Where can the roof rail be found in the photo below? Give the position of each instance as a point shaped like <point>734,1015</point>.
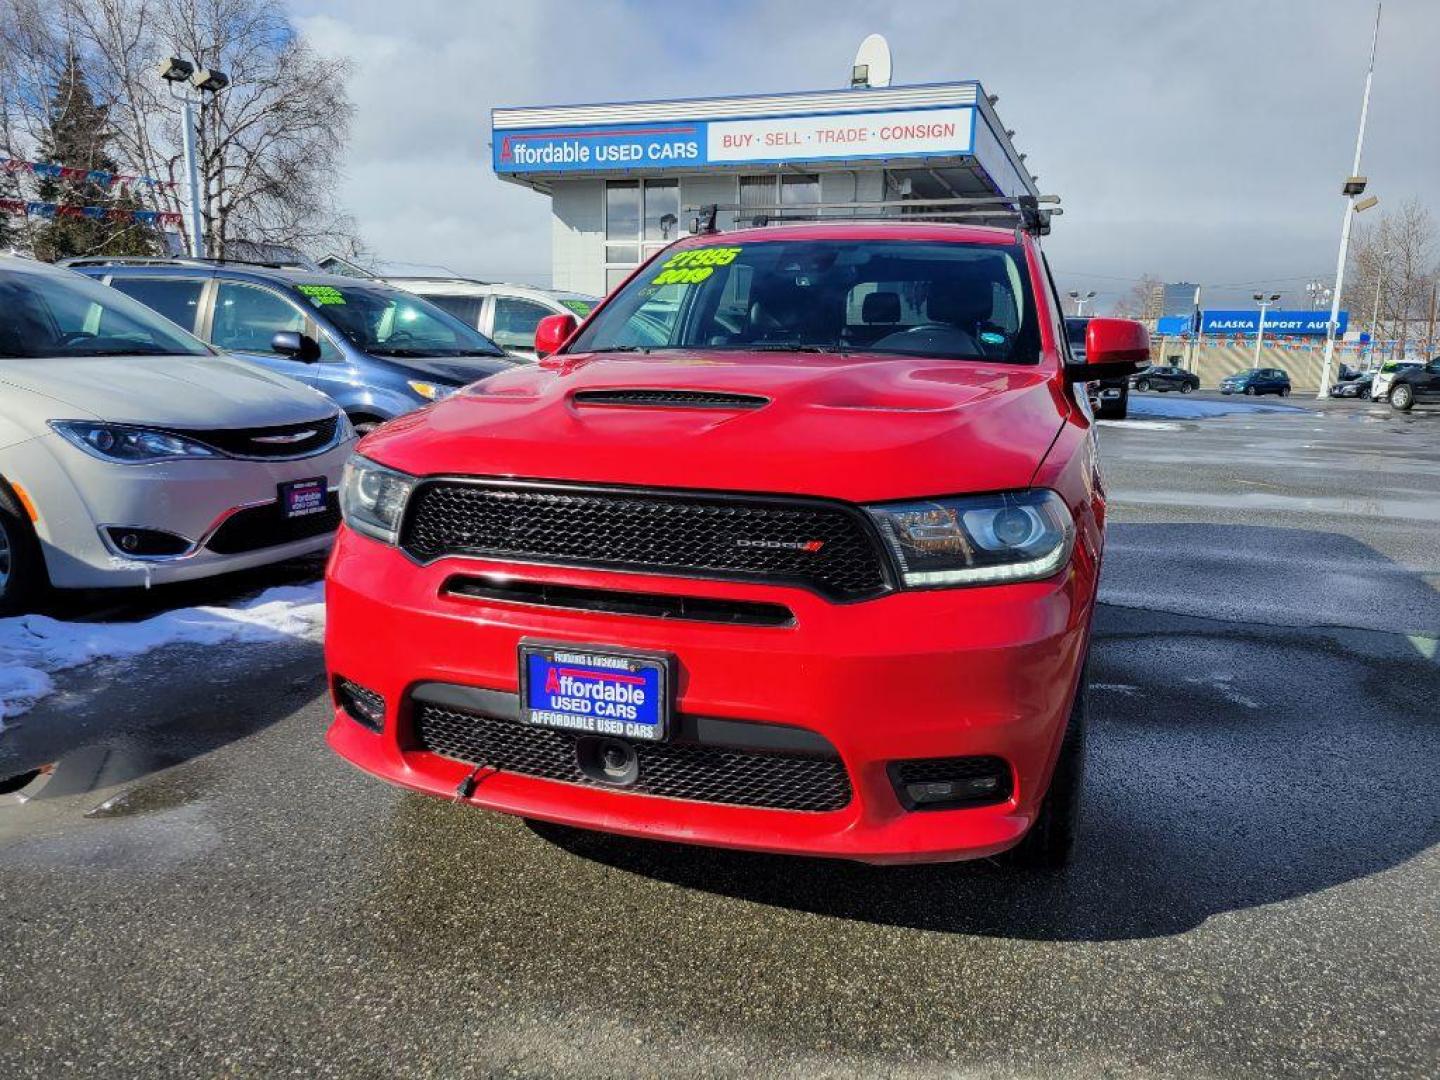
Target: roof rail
<point>1030,213</point>
<point>171,260</point>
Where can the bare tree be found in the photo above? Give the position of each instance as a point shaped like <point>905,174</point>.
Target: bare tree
<point>270,146</point>
<point>1392,273</point>
<point>1143,299</point>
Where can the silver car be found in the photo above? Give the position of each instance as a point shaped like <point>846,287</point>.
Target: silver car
<point>132,453</point>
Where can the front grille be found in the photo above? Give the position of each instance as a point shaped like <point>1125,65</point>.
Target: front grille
<point>674,399</point>
<point>621,602</point>
<point>822,546</point>
<point>284,441</point>
<point>264,526</point>
<point>673,770</point>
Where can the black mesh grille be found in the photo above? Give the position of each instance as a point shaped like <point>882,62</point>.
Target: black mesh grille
<point>285,441</point>
<point>675,399</point>
<point>264,526</point>
<point>672,770</point>
<point>820,546</point>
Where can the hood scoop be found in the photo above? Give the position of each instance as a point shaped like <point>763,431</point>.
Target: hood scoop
<point>645,398</point>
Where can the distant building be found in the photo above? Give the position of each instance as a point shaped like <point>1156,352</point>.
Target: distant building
<point>1176,298</point>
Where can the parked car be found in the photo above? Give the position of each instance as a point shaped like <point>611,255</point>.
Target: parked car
<point>1358,386</point>
<point>131,453</point>
<point>507,314</point>
<point>1380,387</point>
<point>1415,384</point>
<point>375,350</point>
<point>673,601</point>
<point>1109,398</point>
<point>1164,377</point>
<point>1257,381</point>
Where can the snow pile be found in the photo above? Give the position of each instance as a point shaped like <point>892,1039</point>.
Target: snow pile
<point>1172,406</point>
<point>32,647</point>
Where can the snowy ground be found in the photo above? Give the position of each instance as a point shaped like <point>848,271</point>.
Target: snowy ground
<point>34,647</point>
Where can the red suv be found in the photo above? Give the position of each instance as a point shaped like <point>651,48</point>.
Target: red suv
<point>792,546</point>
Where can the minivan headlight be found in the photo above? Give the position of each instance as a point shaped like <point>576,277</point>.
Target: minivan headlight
<point>127,444</point>
<point>978,539</point>
<point>373,498</point>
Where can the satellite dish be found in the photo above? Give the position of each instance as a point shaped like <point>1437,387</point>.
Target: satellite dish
<point>872,62</point>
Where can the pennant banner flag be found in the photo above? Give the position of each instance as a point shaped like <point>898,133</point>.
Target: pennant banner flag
<point>24,208</point>
<point>99,177</point>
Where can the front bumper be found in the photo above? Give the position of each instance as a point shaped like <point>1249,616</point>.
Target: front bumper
<point>946,673</point>
<point>77,496</point>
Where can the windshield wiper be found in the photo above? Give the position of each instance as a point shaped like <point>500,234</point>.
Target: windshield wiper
<point>777,346</point>
<point>623,348</point>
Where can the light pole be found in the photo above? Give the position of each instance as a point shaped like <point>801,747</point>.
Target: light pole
<point>1354,187</point>
<point>1081,300</point>
<point>1264,302</point>
<point>1319,293</point>
<point>205,81</point>
<point>1375,311</point>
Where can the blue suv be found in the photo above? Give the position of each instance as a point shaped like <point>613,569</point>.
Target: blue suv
<point>376,351</point>
<point>1257,381</point>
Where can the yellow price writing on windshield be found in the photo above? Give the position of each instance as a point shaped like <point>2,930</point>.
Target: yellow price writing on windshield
<point>694,265</point>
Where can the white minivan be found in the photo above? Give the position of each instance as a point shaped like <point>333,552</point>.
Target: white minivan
<point>131,452</point>
<point>506,314</point>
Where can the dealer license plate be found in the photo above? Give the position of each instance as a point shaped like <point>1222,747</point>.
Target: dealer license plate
<point>301,498</point>
<point>595,691</point>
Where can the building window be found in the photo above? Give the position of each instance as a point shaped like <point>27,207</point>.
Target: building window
<point>641,217</point>
<point>764,193</point>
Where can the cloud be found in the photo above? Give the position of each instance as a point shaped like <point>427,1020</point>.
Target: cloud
<point>1202,142</point>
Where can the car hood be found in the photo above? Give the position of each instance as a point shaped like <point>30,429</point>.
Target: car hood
<point>456,371</point>
<point>167,391</point>
<point>858,427</point>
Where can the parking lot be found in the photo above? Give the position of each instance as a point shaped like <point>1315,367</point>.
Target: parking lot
<point>201,887</point>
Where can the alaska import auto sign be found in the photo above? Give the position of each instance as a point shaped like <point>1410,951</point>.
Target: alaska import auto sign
<point>1276,322</point>
<point>751,140</point>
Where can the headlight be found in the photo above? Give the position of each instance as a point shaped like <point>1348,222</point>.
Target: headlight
<point>430,391</point>
<point>373,498</point>
<point>978,540</point>
<point>129,445</point>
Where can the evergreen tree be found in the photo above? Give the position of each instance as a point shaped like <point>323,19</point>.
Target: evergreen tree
<point>77,135</point>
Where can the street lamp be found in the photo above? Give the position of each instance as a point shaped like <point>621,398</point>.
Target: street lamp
<point>204,83</point>
<point>1354,187</point>
<point>1264,302</point>
<point>1081,300</point>
<point>1319,293</point>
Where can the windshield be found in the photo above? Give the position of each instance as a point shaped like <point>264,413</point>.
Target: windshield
<point>49,313</point>
<point>388,322</point>
<point>906,297</point>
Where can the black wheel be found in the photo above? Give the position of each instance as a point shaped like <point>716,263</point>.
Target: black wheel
<point>1365,393</point>
<point>1143,384</point>
<point>1051,838</point>
<point>1114,408</point>
<point>364,423</point>
<point>23,579</point>
<point>1284,391</point>
<point>1402,397</point>
<point>1249,391</point>
<point>1187,388</point>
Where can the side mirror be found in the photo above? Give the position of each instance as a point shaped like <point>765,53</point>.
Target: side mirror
<point>300,347</point>
<point>1114,348</point>
<point>551,332</point>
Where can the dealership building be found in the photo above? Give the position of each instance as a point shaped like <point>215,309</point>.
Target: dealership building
<point>625,179</point>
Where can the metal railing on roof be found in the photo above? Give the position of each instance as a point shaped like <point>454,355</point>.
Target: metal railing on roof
<point>173,260</point>
<point>1031,213</point>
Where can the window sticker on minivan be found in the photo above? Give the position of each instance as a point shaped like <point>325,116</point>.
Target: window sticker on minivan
<point>694,266</point>
<point>321,295</point>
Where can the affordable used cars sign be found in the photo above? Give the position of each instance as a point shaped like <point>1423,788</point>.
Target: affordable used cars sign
<point>753,140</point>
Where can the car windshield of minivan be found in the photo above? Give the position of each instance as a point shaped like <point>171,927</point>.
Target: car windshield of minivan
<point>907,298</point>
<point>386,322</point>
<point>50,314</point>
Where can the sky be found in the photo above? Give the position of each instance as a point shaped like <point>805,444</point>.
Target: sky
<point>1196,141</point>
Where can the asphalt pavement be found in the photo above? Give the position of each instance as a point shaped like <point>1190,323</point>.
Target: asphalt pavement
<point>201,888</point>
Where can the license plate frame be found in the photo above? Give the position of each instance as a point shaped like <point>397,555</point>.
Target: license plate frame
<point>302,498</point>
<point>652,672</point>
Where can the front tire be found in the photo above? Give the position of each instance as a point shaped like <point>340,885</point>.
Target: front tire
<point>1249,391</point>
<point>1142,385</point>
<point>23,579</point>
<point>1402,397</point>
<point>1051,839</point>
<point>1284,391</point>
<point>1187,388</point>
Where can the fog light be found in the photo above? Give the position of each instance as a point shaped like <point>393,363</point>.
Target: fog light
<point>950,783</point>
<point>361,704</point>
<point>147,543</point>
